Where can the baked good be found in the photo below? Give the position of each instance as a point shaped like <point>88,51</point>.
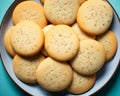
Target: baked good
<point>109,42</point>
<point>29,10</point>
<point>54,75</point>
<point>61,43</point>
<point>27,38</point>
<point>7,42</point>
<point>90,58</point>
<point>25,67</point>
<point>81,83</point>
<point>61,11</point>
<point>82,35</point>
<point>95,16</point>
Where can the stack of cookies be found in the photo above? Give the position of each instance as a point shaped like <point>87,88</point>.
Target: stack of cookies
<point>62,44</point>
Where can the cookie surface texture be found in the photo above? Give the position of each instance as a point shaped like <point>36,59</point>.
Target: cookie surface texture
<point>90,58</point>
<point>61,11</point>
<point>109,42</point>
<point>61,43</point>
<point>29,10</point>
<point>27,38</point>
<point>53,75</point>
<point>25,67</point>
<point>81,83</point>
<point>95,16</point>
<point>82,35</point>
<point>7,42</point>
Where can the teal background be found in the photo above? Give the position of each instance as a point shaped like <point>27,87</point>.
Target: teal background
<point>9,88</point>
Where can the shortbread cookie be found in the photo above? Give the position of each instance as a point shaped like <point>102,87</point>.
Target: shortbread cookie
<point>109,42</point>
<point>54,75</point>
<point>61,11</point>
<point>81,83</point>
<point>45,30</point>
<point>29,10</point>
<point>7,42</point>
<point>25,67</point>
<point>82,35</point>
<point>27,38</point>
<point>95,16</point>
<point>61,43</point>
<point>90,58</point>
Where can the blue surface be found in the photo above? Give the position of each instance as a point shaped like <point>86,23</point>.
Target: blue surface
<point>8,87</point>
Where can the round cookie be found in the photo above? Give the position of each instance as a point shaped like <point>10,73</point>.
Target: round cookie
<point>90,58</point>
<point>81,83</point>
<point>45,30</point>
<point>29,10</point>
<point>7,42</point>
<point>54,75</point>
<point>61,11</point>
<point>95,16</point>
<point>61,43</point>
<point>25,67</point>
<point>27,38</point>
<point>109,42</point>
<point>82,35</point>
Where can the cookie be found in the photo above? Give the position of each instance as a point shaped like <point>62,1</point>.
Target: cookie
<point>27,38</point>
<point>53,75</point>
<point>61,43</point>
<point>25,67</point>
<point>95,16</point>
<point>45,30</point>
<point>90,58</point>
<point>81,83</point>
<point>29,10</point>
<point>82,35</point>
<point>61,11</point>
<point>109,42</point>
<point>7,42</point>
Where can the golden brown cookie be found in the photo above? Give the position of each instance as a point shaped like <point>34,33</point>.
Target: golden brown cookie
<point>25,67</point>
<point>95,16</point>
<point>7,42</point>
<point>81,83</point>
<point>82,35</point>
<point>27,38</point>
<point>90,58</point>
<point>61,11</point>
<point>109,42</point>
<point>54,75</point>
<point>29,10</point>
<point>61,43</point>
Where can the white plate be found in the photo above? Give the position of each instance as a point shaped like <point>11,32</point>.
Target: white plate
<point>103,76</point>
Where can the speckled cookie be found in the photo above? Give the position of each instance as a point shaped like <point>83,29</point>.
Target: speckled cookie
<point>27,38</point>
<point>61,43</point>
<point>54,75</point>
<point>95,16</point>
<point>81,83</point>
<point>45,30</point>
<point>25,67</point>
<point>29,10</point>
<point>109,42</point>
<point>90,58</point>
<point>7,42</point>
<point>82,35</point>
<point>61,11</point>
